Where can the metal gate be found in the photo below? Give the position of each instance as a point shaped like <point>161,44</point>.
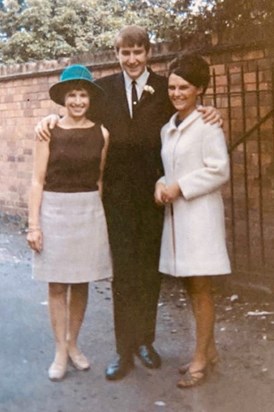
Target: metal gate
<point>249,198</point>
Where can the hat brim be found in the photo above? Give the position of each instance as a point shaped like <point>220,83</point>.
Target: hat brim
<point>58,91</point>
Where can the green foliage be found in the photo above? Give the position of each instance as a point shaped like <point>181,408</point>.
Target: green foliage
<point>240,21</point>
<point>49,29</point>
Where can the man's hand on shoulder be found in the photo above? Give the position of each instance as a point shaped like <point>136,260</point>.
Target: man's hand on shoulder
<point>43,128</point>
<point>210,115</point>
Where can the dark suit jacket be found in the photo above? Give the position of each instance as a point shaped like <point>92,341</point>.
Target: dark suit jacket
<point>133,163</point>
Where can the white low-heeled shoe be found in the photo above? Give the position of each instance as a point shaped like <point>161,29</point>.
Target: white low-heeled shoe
<point>57,371</point>
<point>80,362</point>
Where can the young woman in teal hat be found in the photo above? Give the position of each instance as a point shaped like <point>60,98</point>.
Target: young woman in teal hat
<point>67,228</point>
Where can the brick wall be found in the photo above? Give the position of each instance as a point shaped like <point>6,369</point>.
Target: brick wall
<point>24,101</point>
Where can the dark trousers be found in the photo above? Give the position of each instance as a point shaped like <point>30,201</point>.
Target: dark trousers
<point>135,300</point>
<point>135,241</point>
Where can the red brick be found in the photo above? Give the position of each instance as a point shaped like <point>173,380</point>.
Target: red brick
<point>24,101</point>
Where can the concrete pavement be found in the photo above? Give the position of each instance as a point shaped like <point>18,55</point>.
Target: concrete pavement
<point>242,382</point>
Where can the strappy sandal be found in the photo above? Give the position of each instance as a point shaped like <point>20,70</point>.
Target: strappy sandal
<point>184,368</point>
<point>192,379</point>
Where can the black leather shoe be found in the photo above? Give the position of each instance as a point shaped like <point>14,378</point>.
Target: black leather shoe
<point>148,356</point>
<point>119,368</point>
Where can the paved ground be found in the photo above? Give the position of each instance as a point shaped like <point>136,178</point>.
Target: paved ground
<point>242,382</point>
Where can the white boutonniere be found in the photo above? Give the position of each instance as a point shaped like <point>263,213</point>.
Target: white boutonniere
<point>149,89</point>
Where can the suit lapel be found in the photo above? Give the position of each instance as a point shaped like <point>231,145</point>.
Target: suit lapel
<point>120,91</point>
<point>146,95</point>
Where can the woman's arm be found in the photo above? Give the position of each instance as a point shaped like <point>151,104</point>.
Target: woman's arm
<point>41,155</point>
<point>215,170</point>
<point>103,159</point>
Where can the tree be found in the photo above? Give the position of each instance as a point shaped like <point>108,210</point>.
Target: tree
<point>241,21</point>
<point>45,29</point>
<point>49,29</point>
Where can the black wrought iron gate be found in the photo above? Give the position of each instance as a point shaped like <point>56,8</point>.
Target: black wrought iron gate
<point>248,111</point>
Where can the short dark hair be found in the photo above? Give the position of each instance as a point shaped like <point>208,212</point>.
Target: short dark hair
<point>193,68</point>
<point>75,85</point>
<point>130,36</point>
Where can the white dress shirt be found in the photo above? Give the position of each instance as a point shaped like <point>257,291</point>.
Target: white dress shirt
<point>140,84</point>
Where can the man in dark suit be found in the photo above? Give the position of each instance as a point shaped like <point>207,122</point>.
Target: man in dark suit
<point>135,108</point>
<point>134,222</point>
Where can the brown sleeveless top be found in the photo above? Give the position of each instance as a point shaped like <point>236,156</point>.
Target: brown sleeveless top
<point>74,160</point>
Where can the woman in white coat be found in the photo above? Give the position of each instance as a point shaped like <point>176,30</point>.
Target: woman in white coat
<point>196,165</point>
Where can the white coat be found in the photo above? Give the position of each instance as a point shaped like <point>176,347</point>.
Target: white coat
<point>195,156</point>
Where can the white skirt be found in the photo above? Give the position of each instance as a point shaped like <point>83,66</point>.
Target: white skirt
<point>75,239</point>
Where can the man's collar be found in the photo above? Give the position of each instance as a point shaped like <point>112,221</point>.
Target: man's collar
<point>141,80</point>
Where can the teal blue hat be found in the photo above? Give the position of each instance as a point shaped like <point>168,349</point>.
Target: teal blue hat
<point>78,75</point>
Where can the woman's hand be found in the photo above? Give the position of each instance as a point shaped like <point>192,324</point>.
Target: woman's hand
<point>210,115</point>
<point>172,193</point>
<point>35,239</point>
<point>166,194</point>
<point>159,193</point>
<point>43,128</point>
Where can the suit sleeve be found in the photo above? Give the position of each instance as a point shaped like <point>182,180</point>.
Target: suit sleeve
<point>215,171</point>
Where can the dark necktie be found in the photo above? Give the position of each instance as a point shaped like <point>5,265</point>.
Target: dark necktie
<point>134,96</point>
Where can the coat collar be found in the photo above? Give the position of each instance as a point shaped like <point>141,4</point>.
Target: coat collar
<point>171,126</point>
